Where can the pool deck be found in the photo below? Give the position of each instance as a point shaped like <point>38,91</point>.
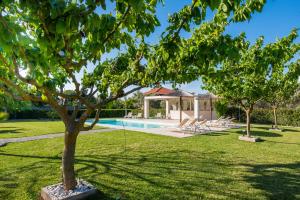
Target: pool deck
<point>169,129</point>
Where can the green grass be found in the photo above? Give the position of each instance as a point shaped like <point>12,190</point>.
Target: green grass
<point>146,166</point>
<point>16,129</point>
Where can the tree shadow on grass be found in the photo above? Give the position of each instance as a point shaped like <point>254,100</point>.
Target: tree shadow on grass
<point>279,181</point>
<point>297,143</point>
<point>260,133</point>
<point>10,131</point>
<point>160,175</point>
<point>290,130</point>
<point>148,175</point>
<point>281,129</point>
<point>217,133</point>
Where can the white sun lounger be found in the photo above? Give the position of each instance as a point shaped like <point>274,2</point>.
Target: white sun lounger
<point>129,115</point>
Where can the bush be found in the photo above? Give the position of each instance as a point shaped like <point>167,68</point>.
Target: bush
<point>4,116</point>
<point>52,115</point>
<point>109,113</point>
<point>30,114</point>
<point>49,114</point>
<point>286,117</point>
<point>221,108</point>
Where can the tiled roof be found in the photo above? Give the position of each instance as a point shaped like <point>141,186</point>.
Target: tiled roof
<point>167,92</point>
<point>159,91</point>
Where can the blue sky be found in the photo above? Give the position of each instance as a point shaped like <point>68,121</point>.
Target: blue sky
<point>276,20</point>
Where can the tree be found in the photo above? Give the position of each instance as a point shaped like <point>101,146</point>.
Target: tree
<point>295,101</point>
<point>9,104</point>
<point>246,80</point>
<point>136,101</point>
<point>45,45</point>
<point>283,84</point>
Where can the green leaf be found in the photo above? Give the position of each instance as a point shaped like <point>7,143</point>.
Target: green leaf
<point>44,98</point>
<point>60,27</point>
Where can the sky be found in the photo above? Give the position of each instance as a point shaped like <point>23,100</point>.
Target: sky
<point>276,20</point>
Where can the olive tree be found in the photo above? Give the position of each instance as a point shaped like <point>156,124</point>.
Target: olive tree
<point>46,46</point>
<point>247,79</point>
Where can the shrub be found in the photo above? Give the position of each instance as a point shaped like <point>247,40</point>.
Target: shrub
<point>4,116</point>
<point>286,117</point>
<point>52,115</point>
<point>49,114</point>
<point>29,114</point>
<point>109,113</point>
<point>221,108</point>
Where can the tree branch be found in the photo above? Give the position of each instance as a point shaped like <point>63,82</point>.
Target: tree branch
<point>24,96</point>
<point>94,122</point>
<point>117,26</point>
<point>183,22</point>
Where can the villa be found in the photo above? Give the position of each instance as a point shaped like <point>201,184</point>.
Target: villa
<point>181,104</point>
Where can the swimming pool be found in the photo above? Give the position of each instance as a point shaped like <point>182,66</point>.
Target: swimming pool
<point>127,124</point>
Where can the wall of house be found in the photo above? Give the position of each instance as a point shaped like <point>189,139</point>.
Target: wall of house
<point>207,115</point>
<point>207,111</point>
<point>175,114</point>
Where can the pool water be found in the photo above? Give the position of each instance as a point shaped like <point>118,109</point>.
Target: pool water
<point>119,122</point>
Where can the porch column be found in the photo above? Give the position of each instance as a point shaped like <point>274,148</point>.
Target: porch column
<point>180,108</point>
<point>146,108</point>
<point>210,103</point>
<point>196,108</point>
<point>167,109</point>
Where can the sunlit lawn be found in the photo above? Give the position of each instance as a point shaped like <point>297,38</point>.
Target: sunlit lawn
<point>145,166</point>
<point>14,129</point>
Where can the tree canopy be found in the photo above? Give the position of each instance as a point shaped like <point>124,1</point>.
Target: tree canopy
<point>253,75</point>
<point>44,45</point>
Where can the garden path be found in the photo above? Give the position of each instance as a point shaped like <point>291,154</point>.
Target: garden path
<point>3,142</point>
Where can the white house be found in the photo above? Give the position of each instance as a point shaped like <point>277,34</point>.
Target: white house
<point>181,104</point>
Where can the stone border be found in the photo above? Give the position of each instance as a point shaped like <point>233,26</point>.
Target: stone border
<point>81,196</point>
<point>4,142</point>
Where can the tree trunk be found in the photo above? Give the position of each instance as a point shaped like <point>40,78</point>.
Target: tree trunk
<point>68,159</point>
<point>275,117</point>
<point>248,112</point>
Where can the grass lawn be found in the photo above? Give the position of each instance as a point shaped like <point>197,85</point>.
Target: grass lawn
<point>146,166</point>
<point>15,129</point>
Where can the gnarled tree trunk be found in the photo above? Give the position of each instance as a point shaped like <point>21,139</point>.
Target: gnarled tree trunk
<point>68,159</point>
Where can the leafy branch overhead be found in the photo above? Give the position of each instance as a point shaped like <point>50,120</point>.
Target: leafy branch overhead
<point>100,49</point>
<point>46,44</point>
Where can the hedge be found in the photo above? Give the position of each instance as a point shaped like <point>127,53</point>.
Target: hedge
<point>286,117</point>
<point>46,114</point>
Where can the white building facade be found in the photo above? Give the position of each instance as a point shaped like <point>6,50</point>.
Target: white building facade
<point>180,104</point>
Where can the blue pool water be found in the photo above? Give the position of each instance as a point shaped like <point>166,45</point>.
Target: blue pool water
<point>118,122</point>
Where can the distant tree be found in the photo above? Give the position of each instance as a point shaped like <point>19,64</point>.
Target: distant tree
<point>137,100</point>
<point>295,101</point>
<point>9,104</point>
<point>283,83</point>
<point>246,80</point>
<point>117,104</point>
<point>45,44</point>
<point>221,107</point>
